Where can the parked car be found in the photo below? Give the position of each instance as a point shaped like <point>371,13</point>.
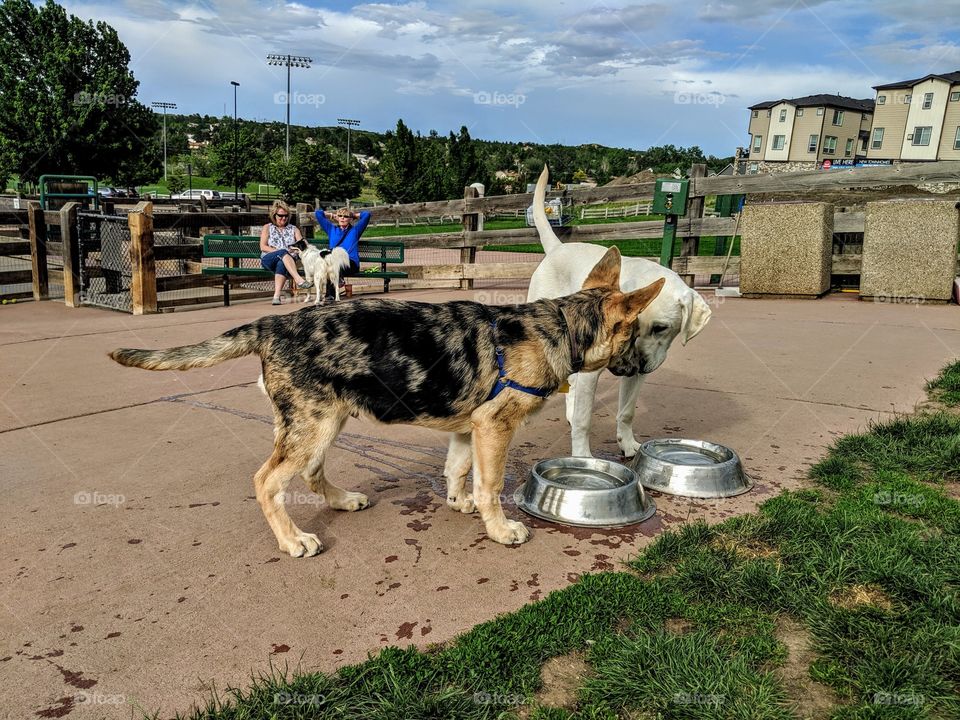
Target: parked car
<point>233,196</point>
<point>196,194</point>
<point>107,192</point>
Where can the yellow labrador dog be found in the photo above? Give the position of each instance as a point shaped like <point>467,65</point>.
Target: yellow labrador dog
<point>678,311</point>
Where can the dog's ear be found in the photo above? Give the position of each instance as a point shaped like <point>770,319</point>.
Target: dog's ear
<point>606,273</point>
<point>633,303</point>
<point>694,314</point>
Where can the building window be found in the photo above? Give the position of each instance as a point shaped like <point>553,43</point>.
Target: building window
<point>838,117</point>
<point>812,143</point>
<point>954,96</point>
<point>783,115</point>
<point>778,141</point>
<point>756,113</point>
<point>769,113</point>
<point>881,99</point>
<point>819,112</point>
<point>753,168</point>
<point>863,144</point>
<point>927,101</point>
<point>921,135</point>
<point>907,99</point>
<point>877,139</point>
<point>848,150</point>
<point>829,145</point>
<point>956,139</point>
<point>757,143</point>
<point>799,112</point>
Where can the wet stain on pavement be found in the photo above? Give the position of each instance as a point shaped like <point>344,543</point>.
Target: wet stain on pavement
<point>63,708</point>
<point>405,631</point>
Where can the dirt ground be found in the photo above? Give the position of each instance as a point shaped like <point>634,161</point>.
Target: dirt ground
<point>138,571</point>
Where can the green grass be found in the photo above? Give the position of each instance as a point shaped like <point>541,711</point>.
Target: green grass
<point>866,562</point>
<point>946,388</point>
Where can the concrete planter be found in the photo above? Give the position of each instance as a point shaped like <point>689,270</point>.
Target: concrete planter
<point>910,251</point>
<point>786,249</point>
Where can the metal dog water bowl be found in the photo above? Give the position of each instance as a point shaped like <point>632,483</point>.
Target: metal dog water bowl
<point>691,468</point>
<point>587,492</point>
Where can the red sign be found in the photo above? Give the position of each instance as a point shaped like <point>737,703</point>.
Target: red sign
<point>826,164</point>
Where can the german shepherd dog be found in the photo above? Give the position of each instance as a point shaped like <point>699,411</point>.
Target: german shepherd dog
<point>438,365</point>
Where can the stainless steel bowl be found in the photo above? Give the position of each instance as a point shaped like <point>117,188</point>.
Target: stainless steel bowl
<point>587,492</point>
<point>691,468</point>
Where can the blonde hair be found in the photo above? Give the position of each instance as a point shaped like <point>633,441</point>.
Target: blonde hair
<point>279,205</point>
<point>344,212</point>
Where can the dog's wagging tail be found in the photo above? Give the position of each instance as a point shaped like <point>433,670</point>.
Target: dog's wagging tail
<point>411,362</point>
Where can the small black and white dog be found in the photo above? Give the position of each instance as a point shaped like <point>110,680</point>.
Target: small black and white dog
<point>323,267</point>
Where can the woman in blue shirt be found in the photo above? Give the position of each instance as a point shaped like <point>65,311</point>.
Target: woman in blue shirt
<point>344,234</point>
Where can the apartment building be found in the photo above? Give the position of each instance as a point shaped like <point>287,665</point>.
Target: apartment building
<point>801,133</point>
<point>917,119</point>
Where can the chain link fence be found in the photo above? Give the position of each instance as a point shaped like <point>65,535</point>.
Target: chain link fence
<point>105,267</point>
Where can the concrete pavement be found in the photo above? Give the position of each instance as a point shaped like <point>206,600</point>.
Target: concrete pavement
<point>138,569</point>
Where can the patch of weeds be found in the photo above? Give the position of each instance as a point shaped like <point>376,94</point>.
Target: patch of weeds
<point>946,387</point>
<point>691,676</point>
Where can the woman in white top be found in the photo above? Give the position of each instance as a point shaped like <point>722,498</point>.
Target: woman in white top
<point>277,251</point>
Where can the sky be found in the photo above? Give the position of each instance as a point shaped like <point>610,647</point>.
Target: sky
<point>623,74</point>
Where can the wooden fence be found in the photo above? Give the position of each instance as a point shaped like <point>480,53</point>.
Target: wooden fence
<point>31,228</point>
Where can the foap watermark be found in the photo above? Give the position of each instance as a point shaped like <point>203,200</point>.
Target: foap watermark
<point>97,698</point>
<point>685,97</point>
<point>290,698</point>
<point>900,699</point>
<point>94,497</point>
<point>300,98</point>
<point>499,297</point>
<point>498,98</point>
<point>98,98</point>
<point>294,497</point>
<point>695,698</point>
<point>506,699</point>
<point>885,497</point>
<point>899,300</point>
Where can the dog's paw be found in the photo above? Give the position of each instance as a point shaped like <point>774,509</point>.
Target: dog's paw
<point>350,502</point>
<point>510,532</point>
<point>302,545</point>
<point>463,504</point>
<point>628,445</point>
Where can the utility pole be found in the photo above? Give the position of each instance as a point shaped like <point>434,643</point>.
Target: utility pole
<point>290,61</point>
<point>348,123</point>
<point>165,106</point>
<point>236,144</point>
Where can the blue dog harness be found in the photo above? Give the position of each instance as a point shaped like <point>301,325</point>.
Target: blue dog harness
<point>503,382</point>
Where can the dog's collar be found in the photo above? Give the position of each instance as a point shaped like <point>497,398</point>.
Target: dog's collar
<point>576,358</point>
<point>503,382</point>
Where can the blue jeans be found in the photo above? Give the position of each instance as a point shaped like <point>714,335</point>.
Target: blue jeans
<point>273,261</point>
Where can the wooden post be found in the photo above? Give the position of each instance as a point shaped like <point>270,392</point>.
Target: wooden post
<point>143,284</point>
<point>306,230</point>
<point>38,251</point>
<point>71,254</point>
<point>471,221</point>
<point>690,246</point>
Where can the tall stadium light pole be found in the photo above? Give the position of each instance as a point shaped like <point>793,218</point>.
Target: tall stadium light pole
<point>348,123</point>
<point>236,144</point>
<point>290,61</point>
<point>165,106</point>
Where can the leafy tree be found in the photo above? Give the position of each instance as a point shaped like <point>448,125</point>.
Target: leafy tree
<point>67,97</point>
<point>315,171</point>
<point>463,164</point>
<point>400,166</point>
<point>176,184</point>
<point>249,158</point>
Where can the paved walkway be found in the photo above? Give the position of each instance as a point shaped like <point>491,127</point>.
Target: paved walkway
<point>137,567</point>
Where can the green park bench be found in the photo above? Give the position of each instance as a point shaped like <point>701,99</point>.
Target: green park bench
<point>233,249</point>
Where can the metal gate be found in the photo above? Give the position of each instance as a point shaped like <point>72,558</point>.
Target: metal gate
<point>105,267</point>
